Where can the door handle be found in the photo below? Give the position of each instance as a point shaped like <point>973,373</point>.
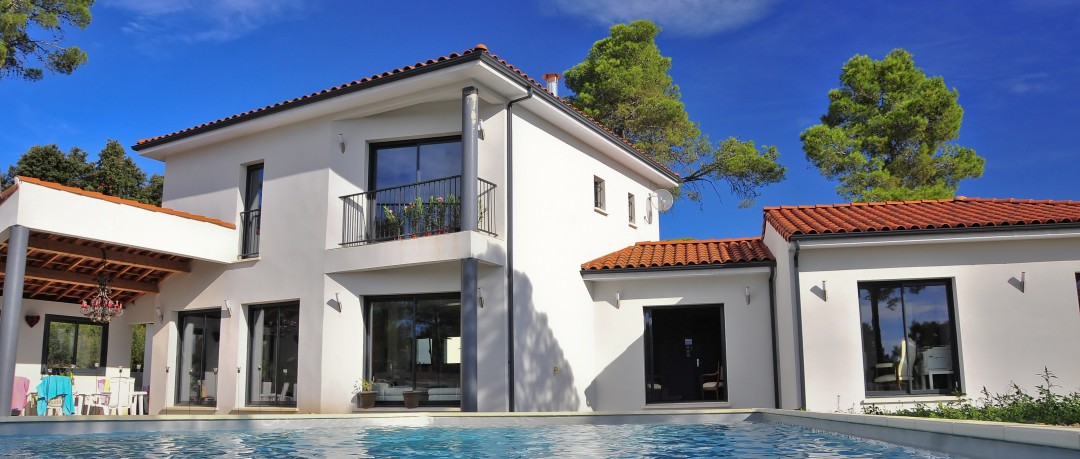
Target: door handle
<point>698,363</point>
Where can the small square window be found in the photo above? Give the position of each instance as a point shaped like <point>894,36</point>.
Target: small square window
<point>630,205</point>
<point>598,193</point>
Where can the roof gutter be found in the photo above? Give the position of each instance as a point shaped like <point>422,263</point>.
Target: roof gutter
<point>704,269</point>
<point>775,334</point>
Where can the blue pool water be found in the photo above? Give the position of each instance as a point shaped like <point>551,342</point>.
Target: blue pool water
<point>740,439</point>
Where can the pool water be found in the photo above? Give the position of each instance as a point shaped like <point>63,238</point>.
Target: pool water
<point>739,439</point>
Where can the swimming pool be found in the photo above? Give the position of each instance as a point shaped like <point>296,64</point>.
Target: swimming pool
<point>728,439</point>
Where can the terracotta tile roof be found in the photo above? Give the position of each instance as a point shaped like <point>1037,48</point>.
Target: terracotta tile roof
<point>881,217</point>
<point>375,79</point>
<point>114,199</point>
<point>683,253</point>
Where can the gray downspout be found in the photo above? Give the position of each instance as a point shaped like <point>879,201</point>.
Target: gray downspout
<point>775,345</point>
<point>510,376</point>
<point>14,274</point>
<point>470,131</point>
<point>800,363</point>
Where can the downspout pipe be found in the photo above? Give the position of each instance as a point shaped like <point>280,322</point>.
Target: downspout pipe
<point>775,345</point>
<point>800,377</point>
<point>510,351</point>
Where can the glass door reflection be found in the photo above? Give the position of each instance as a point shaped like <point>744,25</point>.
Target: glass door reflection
<point>200,340</point>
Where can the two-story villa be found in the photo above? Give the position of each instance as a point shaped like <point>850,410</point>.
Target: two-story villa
<point>453,229</point>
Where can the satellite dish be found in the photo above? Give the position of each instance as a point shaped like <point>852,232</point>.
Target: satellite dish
<point>661,199</point>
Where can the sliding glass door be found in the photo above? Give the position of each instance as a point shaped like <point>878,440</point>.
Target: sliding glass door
<point>273,353</point>
<point>415,345</point>
<point>200,340</point>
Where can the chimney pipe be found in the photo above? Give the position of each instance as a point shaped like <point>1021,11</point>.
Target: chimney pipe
<point>552,80</point>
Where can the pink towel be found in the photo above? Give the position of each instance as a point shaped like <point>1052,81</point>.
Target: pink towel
<point>18,393</point>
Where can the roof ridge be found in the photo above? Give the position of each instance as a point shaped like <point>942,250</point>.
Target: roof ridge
<point>122,201</point>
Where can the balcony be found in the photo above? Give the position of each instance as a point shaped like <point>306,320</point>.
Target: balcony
<point>411,211</point>
<point>250,222</point>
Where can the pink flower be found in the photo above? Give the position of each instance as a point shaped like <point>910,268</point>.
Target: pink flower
<point>440,199</point>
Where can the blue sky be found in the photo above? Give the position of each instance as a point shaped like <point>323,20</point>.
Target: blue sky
<point>754,70</point>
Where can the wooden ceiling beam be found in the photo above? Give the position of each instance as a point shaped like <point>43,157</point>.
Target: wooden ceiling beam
<point>88,280</point>
<point>113,255</point>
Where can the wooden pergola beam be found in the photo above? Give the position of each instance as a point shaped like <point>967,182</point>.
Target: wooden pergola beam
<point>114,256</point>
<point>88,280</point>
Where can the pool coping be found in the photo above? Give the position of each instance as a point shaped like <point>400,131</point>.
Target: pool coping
<point>967,438</point>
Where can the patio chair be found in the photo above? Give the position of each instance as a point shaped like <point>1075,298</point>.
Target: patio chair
<point>898,372</point>
<point>118,398</point>
<point>55,406</point>
<point>712,382</point>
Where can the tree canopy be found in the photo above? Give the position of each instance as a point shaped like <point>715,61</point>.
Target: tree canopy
<point>113,174</point>
<point>887,133</point>
<point>624,84</point>
<point>22,55</point>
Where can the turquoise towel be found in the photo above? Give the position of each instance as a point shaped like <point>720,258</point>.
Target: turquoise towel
<point>51,386</point>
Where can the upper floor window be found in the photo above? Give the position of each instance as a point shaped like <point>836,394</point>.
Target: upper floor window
<point>630,208</point>
<point>1078,286</point>
<point>908,337</point>
<point>74,343</point>
<point>251,217</point>
<point>598,193</point>
<point>403,163</point>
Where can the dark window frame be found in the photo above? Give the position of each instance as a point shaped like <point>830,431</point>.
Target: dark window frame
<point>251,359</point>
<point>953,339</point>
<point>77,321</point>
<point>632,208</point>
<point>180,321</point>
<point>251,217</point>
<point>374,147</point>
<point>368,369</point>
<point>599,192</point>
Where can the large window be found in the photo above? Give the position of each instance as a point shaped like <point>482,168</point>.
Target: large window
<point>74,344</point>
<point>909,338</point>
<point>404,163</point>
<point>416,346</point>
<point>200,339</point>
<point>273,353</point>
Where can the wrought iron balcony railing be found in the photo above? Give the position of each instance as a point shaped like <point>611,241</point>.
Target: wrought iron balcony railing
<point>249,245</point>
<point>414,210</point>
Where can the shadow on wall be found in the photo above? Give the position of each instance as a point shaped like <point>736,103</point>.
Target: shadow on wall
<point>622,381</point>
<point>544,379</point>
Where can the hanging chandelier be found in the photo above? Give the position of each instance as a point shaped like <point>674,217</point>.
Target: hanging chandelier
<point>100,307</point>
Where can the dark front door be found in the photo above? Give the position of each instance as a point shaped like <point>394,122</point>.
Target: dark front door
<point>200,339</point>
<point>683,344</point>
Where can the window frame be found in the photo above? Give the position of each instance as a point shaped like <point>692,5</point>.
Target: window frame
<point>77,321</point>
<point>373,164</point>
<point>957,382</point>
<point>632,209</point>
<point>599,192</point>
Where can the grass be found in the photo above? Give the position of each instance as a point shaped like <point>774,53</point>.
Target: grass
<point>1044,407</point>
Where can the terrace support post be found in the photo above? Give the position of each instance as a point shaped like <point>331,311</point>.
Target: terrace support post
<point>14,274</point>
<point>470,139</point>
<point>469,309</point>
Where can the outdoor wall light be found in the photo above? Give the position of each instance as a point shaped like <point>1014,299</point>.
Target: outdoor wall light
<point>227,307</point>
<point>748,295</point>
<point>337,297</point>
<point>480,297</point>
<point>1023,282</point>
<point>341,142</point>
<point>160,315</point>
<point>618,300</point>
<point>824,292</point>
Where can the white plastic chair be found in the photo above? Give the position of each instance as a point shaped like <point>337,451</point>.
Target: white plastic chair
<point>119,397</point>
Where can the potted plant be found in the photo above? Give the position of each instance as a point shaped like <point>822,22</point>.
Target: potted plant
<point>365,396</point>
<point>414,215</point>
<point>411,398</point>
<point>391,224</point>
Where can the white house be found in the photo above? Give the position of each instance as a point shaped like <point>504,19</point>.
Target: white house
<point>453,228</point>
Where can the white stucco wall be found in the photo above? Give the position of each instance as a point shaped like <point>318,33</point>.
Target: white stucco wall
<point>618,332</point>
<point>556,229</point>
<point>1003,335</point>
<point>788,342</point>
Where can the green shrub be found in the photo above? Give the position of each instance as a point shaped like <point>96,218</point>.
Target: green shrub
<point>1045,407</point>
